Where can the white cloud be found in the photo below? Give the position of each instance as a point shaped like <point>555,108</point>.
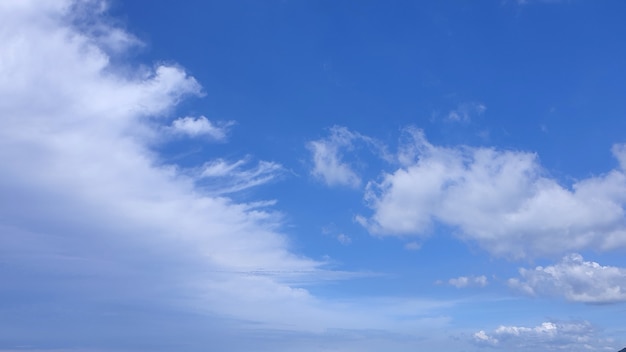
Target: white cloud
<point>619,151</point>
<point>501,199</point>
<point>327,158</point>
<point>80,184</point>
<point>100,28</point>
<point>468,281</point>
<point>464,112</point>
<point>201,126</point>
<point>96,216</point>
<point>344,239</point>
<point>576,280</point>
<point>548,336</point>
<point>482,338</point>
<point>329,154</point>
<point>233,178</point>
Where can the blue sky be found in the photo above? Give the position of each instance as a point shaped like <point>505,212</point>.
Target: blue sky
<point>312,175</point>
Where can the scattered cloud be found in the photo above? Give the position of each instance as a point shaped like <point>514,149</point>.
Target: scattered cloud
<point>328,154</point>
<point>465,112</point>
<point>468,281</point>
<point>93,217</point>
<point>332,231</point>
<point>574,279</point>
<point>482,338</point>
<point>501,199</point>
<point>344,239</point>
<point>328,164</point>
<point>551,335</point>
<point>201,126</point>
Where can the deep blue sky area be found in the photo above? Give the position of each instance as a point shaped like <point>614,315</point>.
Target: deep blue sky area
<point>303,66</point>
<point>279,175</point>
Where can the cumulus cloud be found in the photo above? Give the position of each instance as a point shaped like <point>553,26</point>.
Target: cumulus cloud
<point>574,279</point>
<point>468,281</point>
<point>501,199</point>
<point>201,126</point>
<point>548,336</point>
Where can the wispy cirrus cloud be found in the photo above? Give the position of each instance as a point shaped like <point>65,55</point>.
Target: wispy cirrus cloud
<point>234,176</point>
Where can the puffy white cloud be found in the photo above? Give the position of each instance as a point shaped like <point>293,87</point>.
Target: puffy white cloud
<point>574,279</point>
<point>201,126</point>
<point>548,336</point>
<point>501,199</point>
<point>328,165</point>
<point>469,281</point>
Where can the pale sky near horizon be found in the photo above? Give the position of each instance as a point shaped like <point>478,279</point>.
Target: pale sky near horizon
<point>282,175</point>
